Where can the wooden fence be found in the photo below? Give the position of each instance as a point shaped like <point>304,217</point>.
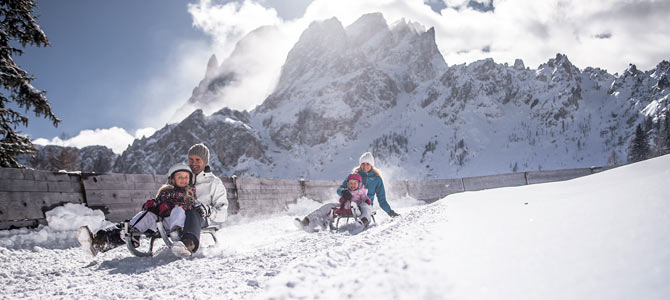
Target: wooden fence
<point>25,195</point>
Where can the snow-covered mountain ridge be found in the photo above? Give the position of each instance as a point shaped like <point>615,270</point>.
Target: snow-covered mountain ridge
<point>387,89</point>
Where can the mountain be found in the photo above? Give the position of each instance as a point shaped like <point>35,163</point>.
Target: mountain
<point>98,159</point>
<point>385,88</point>
<point>227,133</point>
<point>234,83</point>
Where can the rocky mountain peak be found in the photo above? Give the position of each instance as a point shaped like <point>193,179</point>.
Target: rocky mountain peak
<point>662,74</point>
<point>366,27</point>
<point>327,35</point>
<point>518,64</point>
<point>212,66</point>
<point>557,69</point>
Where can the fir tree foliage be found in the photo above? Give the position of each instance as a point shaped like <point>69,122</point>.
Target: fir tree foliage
<point>18,26</point>
<point>639,149</point>
<point>663,137</point>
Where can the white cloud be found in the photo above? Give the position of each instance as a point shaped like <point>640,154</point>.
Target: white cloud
<point>114,138</point>
<point>167,91</point>
<point>531,30</point>
<point>144,132</point>
<point>228,23</point>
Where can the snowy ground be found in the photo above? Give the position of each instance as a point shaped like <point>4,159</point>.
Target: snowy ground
<point>605,236</point>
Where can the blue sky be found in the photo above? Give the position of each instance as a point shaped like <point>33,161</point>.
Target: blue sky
<point>103,54</point>
<point>116,67</point>
<point>100,55</point>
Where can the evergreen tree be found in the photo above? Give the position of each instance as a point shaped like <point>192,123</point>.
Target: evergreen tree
<point>639,147</point>
<point>18,26</point>
<point>612,160</point>
<point>663,137</point>
<point>65,158</point>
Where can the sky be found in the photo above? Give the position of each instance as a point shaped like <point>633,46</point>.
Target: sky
<point>118,70</point>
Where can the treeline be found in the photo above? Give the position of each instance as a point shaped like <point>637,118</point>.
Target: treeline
<point>651,139</point>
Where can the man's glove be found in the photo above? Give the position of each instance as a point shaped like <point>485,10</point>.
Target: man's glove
<point>203,210</point>
<point>393,214</point>
<point>151,203</point>
<point>346,194</point>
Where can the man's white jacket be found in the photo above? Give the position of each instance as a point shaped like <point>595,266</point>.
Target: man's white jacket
<point>209,190</point>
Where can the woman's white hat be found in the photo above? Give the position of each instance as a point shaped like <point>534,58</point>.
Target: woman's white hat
<point>367,158</point>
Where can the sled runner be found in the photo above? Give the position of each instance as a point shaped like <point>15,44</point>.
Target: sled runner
<point>339,214</point>
<point>133,238</point>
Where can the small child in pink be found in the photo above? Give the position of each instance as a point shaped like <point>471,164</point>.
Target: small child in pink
<point>358,194</point>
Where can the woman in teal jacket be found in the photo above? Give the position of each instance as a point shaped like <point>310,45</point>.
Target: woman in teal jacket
<point>372,180</point>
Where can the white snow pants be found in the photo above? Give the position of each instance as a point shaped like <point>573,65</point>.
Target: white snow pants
<point>176,218</point>
<point>366,210</point>
<point>321,216</point>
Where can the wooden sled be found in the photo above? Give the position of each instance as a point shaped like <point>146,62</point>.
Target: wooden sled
<point>132,238</point>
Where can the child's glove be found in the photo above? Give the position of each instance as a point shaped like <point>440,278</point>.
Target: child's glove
<point>346,194</point>
<point>393,214</point>
<point>151,203</point>
<point>164,210</point>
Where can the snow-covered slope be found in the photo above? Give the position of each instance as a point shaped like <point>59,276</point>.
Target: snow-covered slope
<point>603,236</point>
<point>385,88</point>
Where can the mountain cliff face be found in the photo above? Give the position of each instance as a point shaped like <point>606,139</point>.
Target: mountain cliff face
<point>385,88</point>
<point>227,133</point>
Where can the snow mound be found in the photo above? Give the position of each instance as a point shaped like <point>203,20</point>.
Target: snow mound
<point>63,221</point>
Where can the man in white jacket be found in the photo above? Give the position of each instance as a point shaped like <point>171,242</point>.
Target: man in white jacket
<point>210,191</point>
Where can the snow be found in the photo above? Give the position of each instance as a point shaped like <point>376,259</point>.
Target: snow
<point>62,221</point>
<point>603,236</point>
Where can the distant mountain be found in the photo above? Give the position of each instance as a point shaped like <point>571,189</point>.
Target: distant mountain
<point>233,81</point>
<point>98,159</point>
<point>227,133</point>
<point>387,89</point>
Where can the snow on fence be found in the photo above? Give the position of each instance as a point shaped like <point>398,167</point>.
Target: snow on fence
<point>25,195</point>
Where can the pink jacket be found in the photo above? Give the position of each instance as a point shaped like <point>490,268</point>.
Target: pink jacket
<point>359,196</point>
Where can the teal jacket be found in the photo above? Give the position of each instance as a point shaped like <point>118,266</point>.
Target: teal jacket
<point>375,186</point>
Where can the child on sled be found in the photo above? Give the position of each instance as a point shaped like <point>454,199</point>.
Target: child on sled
<point>171,203</point>
<point>353,201</point>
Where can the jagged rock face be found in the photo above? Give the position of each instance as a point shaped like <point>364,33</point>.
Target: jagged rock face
<point>231,141</point>
<point>386,89</point>
<point>335,77</point>
<point>97,159</point>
